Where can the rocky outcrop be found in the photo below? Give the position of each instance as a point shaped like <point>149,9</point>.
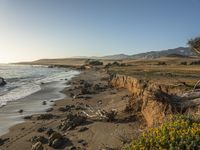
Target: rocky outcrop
<point>2,81</point>
<point>155,104</point>
<point>72,121</point>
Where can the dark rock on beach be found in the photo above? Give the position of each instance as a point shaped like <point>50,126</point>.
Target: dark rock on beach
<point>37,146</point>
<point>2,81</point>
<point>56,140</point>
<point>36,139</point>
<point>45,117</point>
<point>72,121</point>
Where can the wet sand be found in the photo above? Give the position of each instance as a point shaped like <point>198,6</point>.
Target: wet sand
<point>32,104</point>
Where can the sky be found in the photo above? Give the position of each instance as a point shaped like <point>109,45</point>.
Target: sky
<point>35,29</point>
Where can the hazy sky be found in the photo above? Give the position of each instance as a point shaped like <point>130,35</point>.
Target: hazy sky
<point>33,29</point>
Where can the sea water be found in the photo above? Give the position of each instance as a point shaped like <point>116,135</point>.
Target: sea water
<point>24,80</point>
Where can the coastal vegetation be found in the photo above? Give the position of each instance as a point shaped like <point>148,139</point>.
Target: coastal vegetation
<point>177,133</point>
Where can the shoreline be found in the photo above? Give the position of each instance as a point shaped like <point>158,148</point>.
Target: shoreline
<point>35,103</point>
<point>96,131</point>
<point>31,105</point>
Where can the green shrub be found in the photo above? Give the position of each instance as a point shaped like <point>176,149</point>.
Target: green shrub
<point>95,63</point>
<point>183,63</point>
<point>161,63</point>
<point>178,133</point>
<point>195,62</point>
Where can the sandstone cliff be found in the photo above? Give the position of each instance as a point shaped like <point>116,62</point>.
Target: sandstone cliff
<point>156,101</point>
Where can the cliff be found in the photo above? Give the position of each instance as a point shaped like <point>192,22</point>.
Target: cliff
<point>156,101</point>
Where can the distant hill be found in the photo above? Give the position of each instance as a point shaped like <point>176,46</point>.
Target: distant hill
<point>118,56</point>
<point>176,52</point>
<point>180,51</point>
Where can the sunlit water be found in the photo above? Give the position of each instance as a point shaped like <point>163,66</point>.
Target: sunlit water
<point>24,80</point>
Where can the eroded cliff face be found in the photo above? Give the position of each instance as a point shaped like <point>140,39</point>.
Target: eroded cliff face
<point>155,105</point>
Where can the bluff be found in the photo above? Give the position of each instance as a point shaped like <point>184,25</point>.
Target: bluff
<point>156,101</point>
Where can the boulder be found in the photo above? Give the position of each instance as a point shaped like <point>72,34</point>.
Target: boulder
<point>28,117</point>
<point>42,129</point>
<point>2,81</point>
<point>44,103</point>
<point>72,121</point>
<point>45,117</point>
<point>49,110</point>
<point>56,140</point>
<point>54,136</point>
<point>21,111</point>
<point>58,143</point>
<point>63,109</point>
<point>49,131</point>
<point>37,146</point>
<point>36,139</point>
<point>2,141</point>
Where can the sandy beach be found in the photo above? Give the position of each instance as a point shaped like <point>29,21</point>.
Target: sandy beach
<point>31,104</point>
<point>95,133</point>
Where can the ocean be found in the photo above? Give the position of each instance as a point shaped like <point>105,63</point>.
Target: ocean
<point>24,80</point>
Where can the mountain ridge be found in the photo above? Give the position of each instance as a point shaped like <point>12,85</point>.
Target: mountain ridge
<point>179,51</point>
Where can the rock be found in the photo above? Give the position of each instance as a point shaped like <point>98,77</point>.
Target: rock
<point>82,81</point>
<point>67,107</point>
<point>72,121</point>
<point>2,81</point>
<point>36,139</point>
<point>21,111</point>
<point>110,115</point>
<point>42,129</point>
<point>57,143</point>
<point>87,84</point>
<point>49,110</point>
<point>45,117</point>
<point>84,143</point>
<point>53,136</point>
<point>56,140</point>
<point>84,97</point>
<point>37,146</point>
<point>44,103</point>
<point>78,107</point>
<point>62,109</point>
<point>86,88</point>
<point>49,131</point>
<point>28,117</point>
<point>80,141</point>
<point>85,91</point>
<point>51,66</point>
<point>2,141</point>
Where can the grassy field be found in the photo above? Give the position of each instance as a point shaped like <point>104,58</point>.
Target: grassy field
<point>163,71</point>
